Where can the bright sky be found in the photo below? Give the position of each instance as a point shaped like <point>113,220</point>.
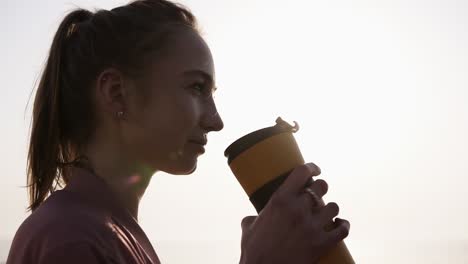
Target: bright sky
<point>379,89</point>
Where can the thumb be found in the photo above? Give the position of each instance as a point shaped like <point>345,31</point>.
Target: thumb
<point>247,222</point>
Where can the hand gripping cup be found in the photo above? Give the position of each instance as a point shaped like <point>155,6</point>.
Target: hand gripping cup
<point>262,160</point>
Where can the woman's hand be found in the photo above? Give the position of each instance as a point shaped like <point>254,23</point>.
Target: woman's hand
<point>291,227</point>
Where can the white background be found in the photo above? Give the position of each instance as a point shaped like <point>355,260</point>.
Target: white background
<point>379,89</point>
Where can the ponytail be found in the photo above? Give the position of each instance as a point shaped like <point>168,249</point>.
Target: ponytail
<point>85,44</point>
<point>47,147</point>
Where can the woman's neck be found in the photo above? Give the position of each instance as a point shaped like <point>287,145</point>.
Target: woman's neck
<point>127,179</point>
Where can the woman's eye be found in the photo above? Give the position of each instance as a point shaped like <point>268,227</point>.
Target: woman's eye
<point>199,87</point>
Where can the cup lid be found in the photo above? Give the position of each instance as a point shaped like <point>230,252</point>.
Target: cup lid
<point>247,141</point>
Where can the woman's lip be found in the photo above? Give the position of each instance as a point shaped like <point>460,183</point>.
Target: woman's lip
<point>198,142</point>
<point>200,147</point>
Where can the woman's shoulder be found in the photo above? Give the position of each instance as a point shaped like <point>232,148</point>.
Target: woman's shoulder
<point>65,213</point>
<point>63,219</point>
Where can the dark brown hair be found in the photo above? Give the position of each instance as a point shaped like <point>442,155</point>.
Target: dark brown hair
<point>84,45</point>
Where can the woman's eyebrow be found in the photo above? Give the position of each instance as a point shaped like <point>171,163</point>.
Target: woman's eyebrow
<point>206,76</point>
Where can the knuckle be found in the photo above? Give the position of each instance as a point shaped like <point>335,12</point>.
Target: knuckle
<point>313,169</point>
<point>246,221</point>
<point>302,170</point>
<point>307,169</point>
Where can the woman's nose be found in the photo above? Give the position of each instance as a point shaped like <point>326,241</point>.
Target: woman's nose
<point>212,121</point>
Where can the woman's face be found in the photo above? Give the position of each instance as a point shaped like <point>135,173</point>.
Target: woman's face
<point>168,130</point>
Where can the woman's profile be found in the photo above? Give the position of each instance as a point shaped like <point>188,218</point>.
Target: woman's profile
<point>126,93</point>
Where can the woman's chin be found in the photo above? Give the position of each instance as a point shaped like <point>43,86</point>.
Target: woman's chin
<point>182,168</point>
<point>180,163</point>
<point>180,172</point>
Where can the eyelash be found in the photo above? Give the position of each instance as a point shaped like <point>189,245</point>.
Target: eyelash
<point>201,85</point>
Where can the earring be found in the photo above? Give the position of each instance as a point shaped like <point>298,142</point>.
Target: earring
<point>120,114</point>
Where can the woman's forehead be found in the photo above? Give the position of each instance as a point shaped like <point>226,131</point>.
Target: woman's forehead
<point>186,50</point>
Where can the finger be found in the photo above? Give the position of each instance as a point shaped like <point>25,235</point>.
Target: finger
<point>298,178</point>
<point>247,222</point>
<point>329,212</point>
<point>319,187</point>
<point>340,232</point>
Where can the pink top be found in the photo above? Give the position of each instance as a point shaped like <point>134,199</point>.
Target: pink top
<point>83,223</point>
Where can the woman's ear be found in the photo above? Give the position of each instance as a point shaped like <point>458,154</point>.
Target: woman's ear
<point>110,91</point>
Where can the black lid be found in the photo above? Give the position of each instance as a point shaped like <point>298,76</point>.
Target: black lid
<point>245,142</point>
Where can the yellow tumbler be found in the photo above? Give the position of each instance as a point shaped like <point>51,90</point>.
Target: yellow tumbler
<point>262,160</point>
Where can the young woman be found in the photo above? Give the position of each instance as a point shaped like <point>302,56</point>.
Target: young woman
<point>126,93</point>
